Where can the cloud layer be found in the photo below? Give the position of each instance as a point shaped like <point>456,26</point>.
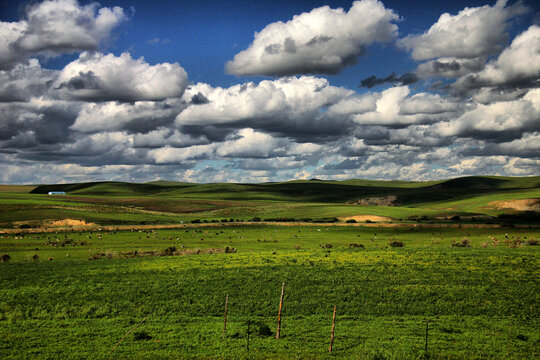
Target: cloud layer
<point>471,106</point>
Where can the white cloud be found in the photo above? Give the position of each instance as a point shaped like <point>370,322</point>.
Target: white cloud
<point>56,26</point>
<point>323,41</point>
<point>115,116</point>
<point>394,106</point>
<point>473,32</point>
<point>248,143</point>
<point>278,101</point>
<point>518,65</point>
<point>504,117</point>
<point>98,77</point>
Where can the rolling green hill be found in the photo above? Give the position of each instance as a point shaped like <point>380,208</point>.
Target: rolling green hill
<point>474,198</point>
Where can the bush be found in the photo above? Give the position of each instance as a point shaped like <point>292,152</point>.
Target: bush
<point>455,218</point>
<point>351,221</point>
<point>263,329</point>
<point>5,258</point>
<point>229,250</point>
<point>141,335</point>
<point>396,243</point>
<point>168,251</point>
<point>462,243</point>
<point>34,257</point>
<point>328,246</point>
<point>196,221</point>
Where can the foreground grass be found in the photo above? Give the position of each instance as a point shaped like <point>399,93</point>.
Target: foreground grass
<point>481,301</point>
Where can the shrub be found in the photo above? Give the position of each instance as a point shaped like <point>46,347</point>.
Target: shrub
<point>264,330</point>
<point>328,246</point>
<point>455,218</point>
<point>5,258</point>
<point>462,243</point>
<point>369,221</point>
<point>34,257</point>
<point>168,251</point>
<point>196,221</point>
<point>229,250</point>
<point>396,243</point>
<point>351,221</point>
<point>141,335</point>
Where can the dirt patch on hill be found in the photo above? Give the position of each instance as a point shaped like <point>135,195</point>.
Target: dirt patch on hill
<point>68,223</point>
<point>520,205</point>
<point>388,200</point>
<point>363,218</point>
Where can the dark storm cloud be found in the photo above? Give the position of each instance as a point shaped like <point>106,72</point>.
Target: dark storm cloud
<point>405,79</point>
<point>198,99</point>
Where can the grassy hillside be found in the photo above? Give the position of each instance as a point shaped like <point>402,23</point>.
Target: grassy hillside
<point>162,202</point>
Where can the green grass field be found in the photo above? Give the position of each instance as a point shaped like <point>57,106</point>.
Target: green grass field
<point>481,301</point>
<point>74,293</point>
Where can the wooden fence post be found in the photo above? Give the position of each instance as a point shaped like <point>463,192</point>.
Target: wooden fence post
<point>333,327</point>
<point>280,307</point>
<point>225,320</point>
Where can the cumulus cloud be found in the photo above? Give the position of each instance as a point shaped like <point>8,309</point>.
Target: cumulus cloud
<point>24,81</point>
<point>288,106</point>
<point>517,66</point>
<point>499,121</point>
<point>99,77</point>
<point>323,41</point>
<point>141,116</point>
<point>54,27</point>
<point>394,107</point>
<point>473,32</point>
<point>248,143</point>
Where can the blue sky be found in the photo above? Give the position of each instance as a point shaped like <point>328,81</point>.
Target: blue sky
<point>435,124</point>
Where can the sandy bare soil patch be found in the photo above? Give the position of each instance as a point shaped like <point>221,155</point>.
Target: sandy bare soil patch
<point>520,205</point>
<point>362,218</point>
<point>68,223</point>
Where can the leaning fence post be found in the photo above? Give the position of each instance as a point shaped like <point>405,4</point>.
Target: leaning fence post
<point>280,307</point>
<point>333,327</point>
<point>225,320</point>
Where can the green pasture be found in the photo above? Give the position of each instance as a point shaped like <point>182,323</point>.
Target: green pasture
<point>480,301</point>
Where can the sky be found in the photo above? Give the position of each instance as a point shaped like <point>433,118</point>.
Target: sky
<point>256,91</point>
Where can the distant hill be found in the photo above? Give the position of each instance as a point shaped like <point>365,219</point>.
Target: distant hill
<point>406,192</point>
